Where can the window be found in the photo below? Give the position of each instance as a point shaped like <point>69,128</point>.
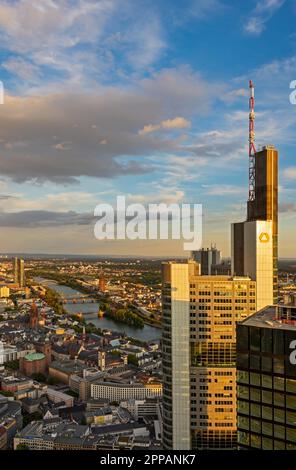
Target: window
<point>291,435</point>
<point>291,385</point>
<point>266,397</point>
<point>255,410</point>
<point>255,339</point>
<point>243,438</point>
<point>255,379</point>
<point>243,377</point>
<point>266,381</point>
<point>291,418</point>
<point>266,340</point>
<point>278,366</point>
<point>256,425</point>
<point>278,445</point>
<point>267,412</point>
<point>254,362</point>
<point>279,383</point>
<point>243,407</point>
<point>267,443</point>
<point>279,399</point>
<point>279,431</point>
<point>266,364</point>
<point>256,441</point>
<point>243,392</point>
<point>267,428</point>
<point>278,342</point>
<point>279,415</point>
<point>291,401</point>
<point>255,394</point>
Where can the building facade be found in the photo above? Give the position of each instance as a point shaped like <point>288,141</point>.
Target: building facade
<point>266,379</point>
<point>207,258</point>
<point>255,241</point>
<point>199,354</point>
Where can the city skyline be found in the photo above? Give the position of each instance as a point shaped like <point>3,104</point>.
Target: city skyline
<point>106,103</point>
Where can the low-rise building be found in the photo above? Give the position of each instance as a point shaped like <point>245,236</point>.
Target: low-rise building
<point>122,391</point>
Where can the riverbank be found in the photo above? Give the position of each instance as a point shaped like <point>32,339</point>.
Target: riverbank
<point>135,318</point>
<point>90,314</point>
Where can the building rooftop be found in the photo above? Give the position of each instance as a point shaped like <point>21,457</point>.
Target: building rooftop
<point>275,316</point>
<point>34,357</point>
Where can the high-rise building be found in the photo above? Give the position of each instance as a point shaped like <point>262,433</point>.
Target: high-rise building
<point>207,258</point>
<point>255,241</point>
<point>199,354</point>
<point>19,272</point>
<point>266,379</point>
<point>102,283</point>
<point>34,316</point>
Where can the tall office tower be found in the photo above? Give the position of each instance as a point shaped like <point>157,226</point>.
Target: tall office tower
<point>199,354</point>
<point>207,258</point>
<point>255,242</point>
<point>19,272</point>
<point>16,270</point>
<point>266,379</point>
<point>102,283</point>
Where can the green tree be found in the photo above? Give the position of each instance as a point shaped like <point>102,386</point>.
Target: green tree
<point>22,447</point>
<point>132,359</point>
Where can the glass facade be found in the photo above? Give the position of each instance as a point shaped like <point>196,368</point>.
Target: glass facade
<point>266,387</point>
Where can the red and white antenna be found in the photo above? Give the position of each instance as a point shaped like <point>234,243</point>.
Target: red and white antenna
<point>252,149</point>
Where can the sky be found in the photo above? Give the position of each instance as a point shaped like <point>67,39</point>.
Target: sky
<point>142,98</point>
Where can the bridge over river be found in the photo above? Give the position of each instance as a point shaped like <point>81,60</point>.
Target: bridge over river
<point>78,300</point>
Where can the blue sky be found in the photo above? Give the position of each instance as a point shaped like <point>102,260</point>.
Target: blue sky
<point>147,99</point>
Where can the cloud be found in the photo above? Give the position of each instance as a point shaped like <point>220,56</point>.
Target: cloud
<point>222,190</point>
<point>287,207</point>
<point>43,218</point>
<point>290,173</point>
<point>22,68</point>
<point>61,137</point>
<point>261,14</point>
<point>206,8</point>
<point>166,197</point>
<point>176,123</point>
<point>78,41</point>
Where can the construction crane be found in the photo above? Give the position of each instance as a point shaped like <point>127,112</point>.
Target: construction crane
<point>252,149</point>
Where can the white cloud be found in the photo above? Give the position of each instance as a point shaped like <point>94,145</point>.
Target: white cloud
<point>261,14</point>
<point>222,190</point>
<point>290,173</point>
<point>176,123</point>
<point>61,137</point>
<point>166,197</point>
<point>79,40</point>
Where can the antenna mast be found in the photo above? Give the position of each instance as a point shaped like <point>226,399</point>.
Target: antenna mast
<point>252,149</point>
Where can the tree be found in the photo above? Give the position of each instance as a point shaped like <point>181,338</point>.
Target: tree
<point>132,359</point>
<point>22,447</point>
<point>39,377</point>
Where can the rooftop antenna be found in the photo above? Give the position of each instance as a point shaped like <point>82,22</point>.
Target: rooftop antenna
<point>252,149</point>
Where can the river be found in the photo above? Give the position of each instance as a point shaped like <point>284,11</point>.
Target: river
<point>90,314</point>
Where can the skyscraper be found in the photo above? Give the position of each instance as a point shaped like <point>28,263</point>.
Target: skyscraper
<point>266,379</point>
<point>199,354</point>
<point>255,241</point>
<point>207,258</point>
<point>19,272</point>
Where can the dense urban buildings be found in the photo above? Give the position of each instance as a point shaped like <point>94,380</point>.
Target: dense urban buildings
<point>266,379</point>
